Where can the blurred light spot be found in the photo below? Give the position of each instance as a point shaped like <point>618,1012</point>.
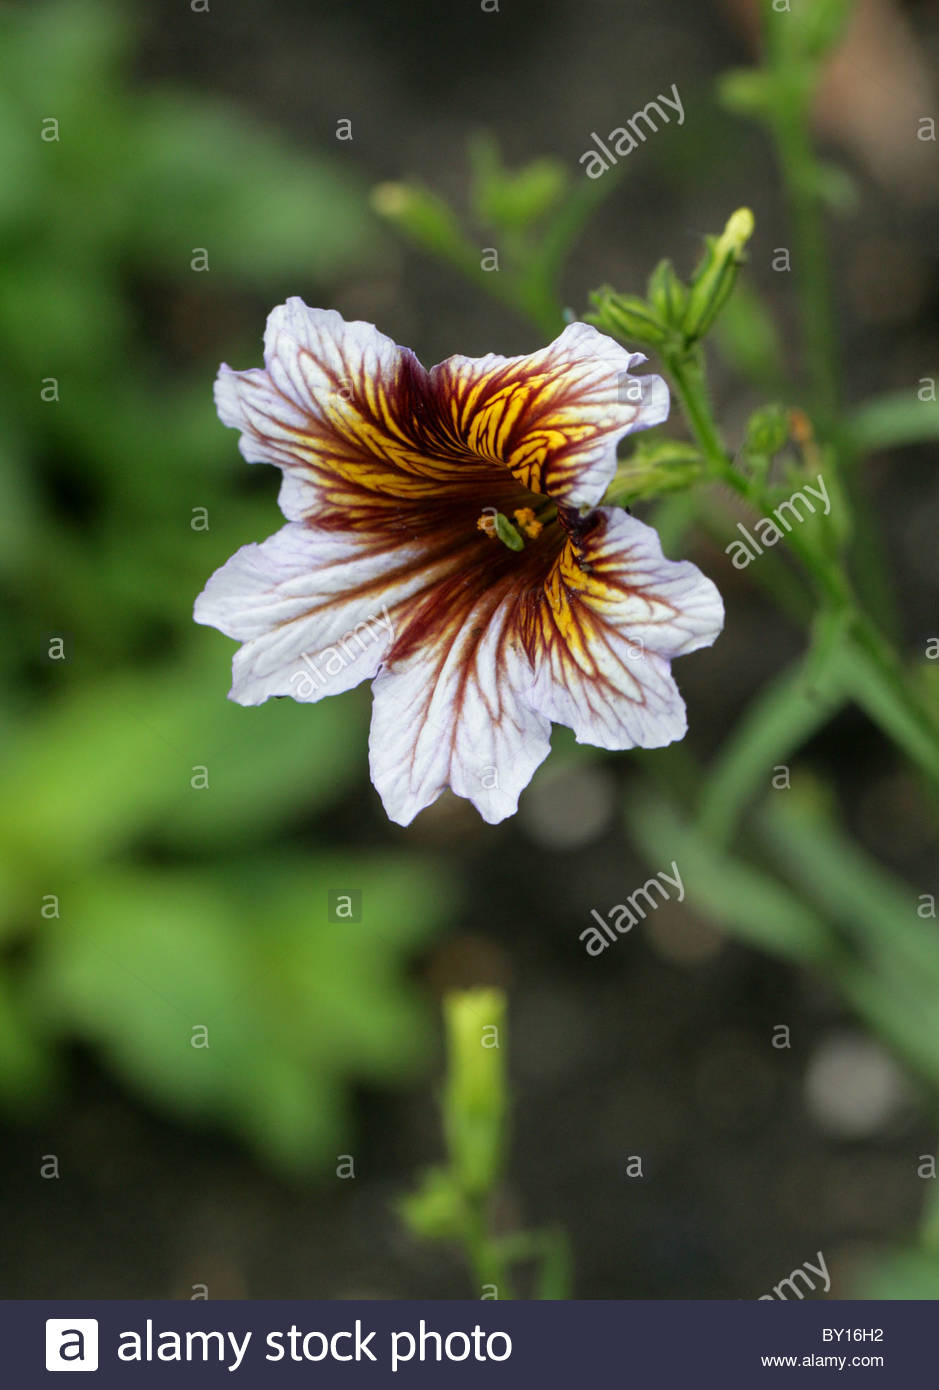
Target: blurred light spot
<point>568,807</point>
<point>852,1087</point>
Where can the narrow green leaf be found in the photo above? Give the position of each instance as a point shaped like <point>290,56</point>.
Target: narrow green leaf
<point>849,886</point>
<point>902,1274</point>
<point>897,418</point>
<point>744,899</point>
<point>555,1274</point>
<point>773,727</point>
<point>884,702</point>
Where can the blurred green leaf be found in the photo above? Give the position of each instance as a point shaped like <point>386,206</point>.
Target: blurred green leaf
<point>897,418</point>
<point>894,997</point>
<point>878,696</point>
<point>838,188</point>
<point>26,1065</point>
<point>894,979</point>
<point>748,339</point>
<point>437,1209</point>
<point>428,221</point>
<point>740,896</point>
<point>112,761</point>
<point>821,24</point>
<point>902,1274</point>
<point>537,226</point>
<point>512,199</point>
<point>282,208</point>
<point>774,726</point>
<point>890,973</point>
<point>849,886</point>
<point>231,998</point>
<point>149,805</point>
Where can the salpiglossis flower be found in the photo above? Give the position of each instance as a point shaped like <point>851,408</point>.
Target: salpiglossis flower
<point>445,540</point>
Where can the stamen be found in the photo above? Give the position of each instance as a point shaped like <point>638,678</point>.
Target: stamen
<point>498,527</point>
<point>527,522</point>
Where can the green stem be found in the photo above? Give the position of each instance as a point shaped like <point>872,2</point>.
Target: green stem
<point>688,378</point>
<point>793,87</point>
<point>689,381</point>
<point>687,373</point>
<point>794,81</point>
<point>826,570</point>
<point>550,1249</point>
<point>484,1254</point>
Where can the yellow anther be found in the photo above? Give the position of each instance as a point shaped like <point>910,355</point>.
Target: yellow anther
<point>527,523</point>
<point>499,527</point>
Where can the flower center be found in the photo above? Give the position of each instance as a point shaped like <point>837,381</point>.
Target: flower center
<point>497,526</point>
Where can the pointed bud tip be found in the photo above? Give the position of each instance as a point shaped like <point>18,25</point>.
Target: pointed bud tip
<point>740,228</point>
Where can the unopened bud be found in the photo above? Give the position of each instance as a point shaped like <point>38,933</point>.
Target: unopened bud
<point>667,295</point>
<point>663,466</point>
<point>714,279</point>
<point>425,217</point>
<point>628,318</point>
<point>767,430</point>
<point>475,1100</point>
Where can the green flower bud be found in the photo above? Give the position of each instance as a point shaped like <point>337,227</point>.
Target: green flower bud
<point>667,295</point>
<point>661,466</point>
<point>475,1098</point>
<point>715,276</point>
<point>746,91</point>
<point>767,430</point>
<point>425,217</point>
<point>628,318</point>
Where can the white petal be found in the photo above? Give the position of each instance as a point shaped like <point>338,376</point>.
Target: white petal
<point>331,402</point>
<point>667,605</point>
<point>450,715</point>
<point>629,701</point>
<point>615,613</point>
<point>553,417</point>
<point>319,360</point>
<point>316,610</point>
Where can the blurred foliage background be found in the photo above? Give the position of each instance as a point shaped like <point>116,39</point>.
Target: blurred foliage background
<point>149,888</point>
<point>167,857</point>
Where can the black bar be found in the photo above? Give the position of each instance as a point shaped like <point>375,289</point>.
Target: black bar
<point>636,1344</point>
